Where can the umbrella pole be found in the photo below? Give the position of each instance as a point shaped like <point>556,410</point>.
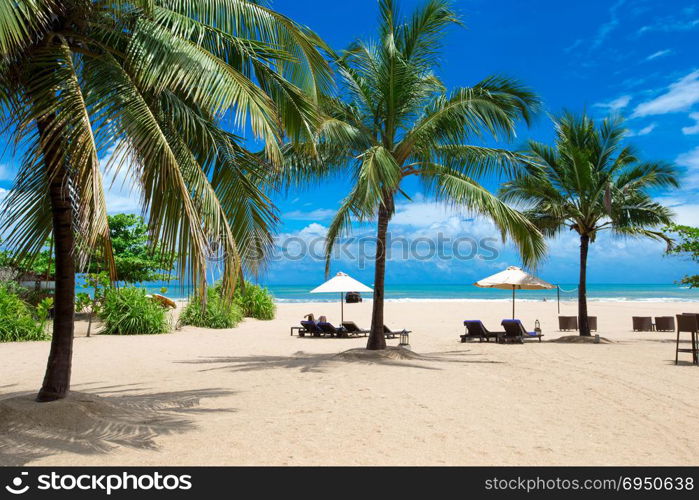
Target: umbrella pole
<point>342,309</point>
<point>513,302</point>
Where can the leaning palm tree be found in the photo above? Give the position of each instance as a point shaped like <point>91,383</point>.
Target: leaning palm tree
<point>395,119</point>
<point>149,81</point>
<point>590,182</point>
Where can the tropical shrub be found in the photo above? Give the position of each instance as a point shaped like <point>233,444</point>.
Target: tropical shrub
<point>255,301</point>
<point>128,311</point>
<point>215,312</point>
<point>18,320</point>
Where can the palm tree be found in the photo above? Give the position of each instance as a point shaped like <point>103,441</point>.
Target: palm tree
<point>395,119</point>
<point>589,182</point>
<point>150,80</point>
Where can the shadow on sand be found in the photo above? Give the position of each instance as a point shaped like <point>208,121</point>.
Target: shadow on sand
<point>318,363</point>
<point>88,424</point>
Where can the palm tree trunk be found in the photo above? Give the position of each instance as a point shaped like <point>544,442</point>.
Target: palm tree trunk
<point>57,379</point>
<point>377,339</point>
<point>583,324</point>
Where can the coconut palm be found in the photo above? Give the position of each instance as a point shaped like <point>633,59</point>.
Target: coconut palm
<point>148,81</point>
<point>588,183</point>
<point>395,119</point>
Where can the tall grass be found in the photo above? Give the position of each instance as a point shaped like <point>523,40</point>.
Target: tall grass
<point>255,301</point>
<point>18,320</point>
<point>127,311</point>
<point>217,312</point>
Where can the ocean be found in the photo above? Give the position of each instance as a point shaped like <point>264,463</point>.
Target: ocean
<point>433,292</point>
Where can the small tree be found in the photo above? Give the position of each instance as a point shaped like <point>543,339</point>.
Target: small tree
<point>135,259</point>
<point>688,245</point>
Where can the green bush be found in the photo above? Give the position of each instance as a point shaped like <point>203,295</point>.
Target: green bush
<point>127,311</point>
<point>255,301</point>
<point>218,312</point>
<point>18,320</point>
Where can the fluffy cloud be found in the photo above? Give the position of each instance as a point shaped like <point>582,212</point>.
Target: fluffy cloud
<point>693,129</point>
<point>644,131</point>
<point>679,96</point>
<point>615,105</point>
<point>690,160</point>
<point>317,214</point>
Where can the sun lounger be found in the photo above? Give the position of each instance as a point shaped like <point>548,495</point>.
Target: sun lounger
<point>352,328</point>
<point>664,324</point>
<point>310,327</point>
<point>567,323</point>
<point>642,323</point>
<point>332,330</point>
<point>475,329</point>
<point>688,323</point>
<point>390,334</point>
<point>515,332</point>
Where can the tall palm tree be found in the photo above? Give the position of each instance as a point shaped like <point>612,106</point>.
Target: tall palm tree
<point>395,119</point>
<point>590,182</point>
<point>150,80</point>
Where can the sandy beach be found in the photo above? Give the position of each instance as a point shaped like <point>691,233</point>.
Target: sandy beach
<point>256,395</point>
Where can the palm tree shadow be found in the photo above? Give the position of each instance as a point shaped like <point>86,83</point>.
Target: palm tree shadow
<point>319,363</point>
<point>88,424</point>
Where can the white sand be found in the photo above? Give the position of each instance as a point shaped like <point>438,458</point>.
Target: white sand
<point>255,395</point>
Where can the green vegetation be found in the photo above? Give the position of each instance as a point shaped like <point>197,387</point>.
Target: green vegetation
<point>255,301</point>
<point>18,320</point>
<point>135,259</point>
<point>590,182</point>
<point>127,311</point>
<point>216,311</point>
<point>687,246</point>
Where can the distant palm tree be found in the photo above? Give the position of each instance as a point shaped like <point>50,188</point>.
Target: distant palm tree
<point>395,119</point>
<point>589,182</point>
<point>150,79</point>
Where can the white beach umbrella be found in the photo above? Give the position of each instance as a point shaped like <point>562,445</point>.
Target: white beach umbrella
<point>341,283</point>
<point>513,278</point>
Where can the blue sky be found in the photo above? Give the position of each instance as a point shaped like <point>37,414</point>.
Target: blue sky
<point>635,57</point>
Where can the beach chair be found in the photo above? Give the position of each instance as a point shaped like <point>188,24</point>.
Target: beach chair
<point>642,323</point>
<point>390,334</point>
<point>664,324</point>
<point>330,329</point>
<point>352,329</point>
<point>475,329</point>
<point>592,323</point>
<point>567,323</point>
<point>310,327</point>
<point>515,332</point>
<point>687,323</point>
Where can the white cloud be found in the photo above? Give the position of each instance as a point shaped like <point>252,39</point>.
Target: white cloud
<point>679,96</point>
<point>693,129</point>
<point>660,53</point>
<point>121,193</point>
<point>690,160</point>
<point>685,213</point>
<point>317,214</point>
<point>606,29</point>
<point>615,105</point>
<point>644,131</point>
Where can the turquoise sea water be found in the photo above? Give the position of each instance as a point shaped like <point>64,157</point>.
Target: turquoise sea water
<point>427,292</point>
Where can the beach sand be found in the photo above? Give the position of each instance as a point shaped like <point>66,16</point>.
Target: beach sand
<point>256,395</point>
